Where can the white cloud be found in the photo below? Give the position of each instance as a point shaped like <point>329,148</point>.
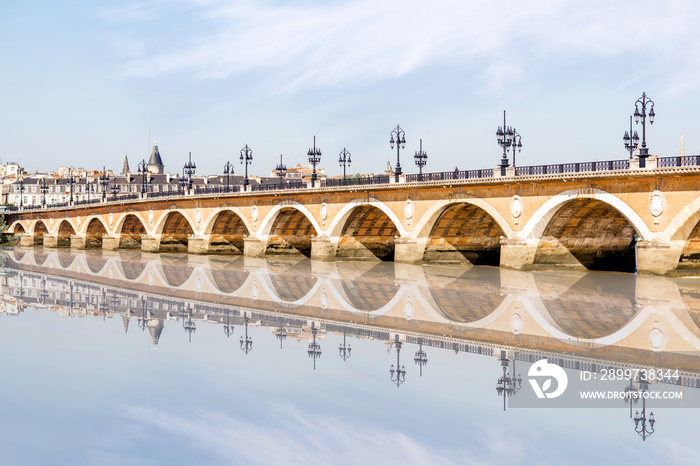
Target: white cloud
<point>310,45</point>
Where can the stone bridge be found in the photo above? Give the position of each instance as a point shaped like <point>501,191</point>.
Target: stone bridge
<point>622,220</point>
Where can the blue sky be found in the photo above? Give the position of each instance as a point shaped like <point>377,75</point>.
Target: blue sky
<point>83,81</point>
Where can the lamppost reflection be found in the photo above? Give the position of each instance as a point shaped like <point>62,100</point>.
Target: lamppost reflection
<point>246,341</point>
<point>398,375</point>
<point>631,395</point>
<point>187,322</point>
<point>344,349</point>
<point>642,425</point>
<point>143,319</point>
<point>421,358</point>
<point>506,385</point>
<point>314,350</point>
<point>228,328</point>
<point>281,334</point>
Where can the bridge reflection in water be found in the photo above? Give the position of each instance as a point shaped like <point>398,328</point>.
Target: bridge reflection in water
<point>578,320</point>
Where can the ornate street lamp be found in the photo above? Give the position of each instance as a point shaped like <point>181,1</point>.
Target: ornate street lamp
<point>71,181</point>
<point>44,189</point>
<point>281,171</point>
<point>516,143</point>
<point>314,158</point>
<point>314,350</point>
<point>228,171</point>
<point>182,182</point>
<point>421,159</point>
<point>247,159</point>
<point>398,375</point>
<point>642,425</point>
<point>506,137</point>
<point>631,140</point>
<point>21,192</point>
<point>189,169</point>
<point>640,112</point>
<point>187,323</point>
<point>115,189</point>
<point>281,334</point>
<point>143,171</point>
<point>344,350</point>
<point>247,342</point>
<point>344,159</point>
<point>506,385</point>
<point>421,358</point>
<point>104,181</point>
<point>398,137</point>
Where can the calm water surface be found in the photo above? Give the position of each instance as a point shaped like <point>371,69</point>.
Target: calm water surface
<point>130,358</point>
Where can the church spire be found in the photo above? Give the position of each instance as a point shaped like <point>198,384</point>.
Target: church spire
<point>125,168</point>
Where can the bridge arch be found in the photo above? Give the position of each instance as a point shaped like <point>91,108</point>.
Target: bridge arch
<point>17,228</point>
<point>174,228</point>
<point>288,229</point>
<point>684,234</point>
<point>130,227</point>
<point>226,227</point>
<point>462,230</point>
<point>586,228</point>
<point>94,229</point>
<point>39,230</point>
<point>63,233</point>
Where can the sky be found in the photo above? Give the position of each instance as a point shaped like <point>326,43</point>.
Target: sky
<point>84,83</point>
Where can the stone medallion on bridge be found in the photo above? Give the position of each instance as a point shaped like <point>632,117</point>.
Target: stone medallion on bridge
<point>657,203</point>
<point>516,208</point>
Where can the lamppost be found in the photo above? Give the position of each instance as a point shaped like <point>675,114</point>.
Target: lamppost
<point>71,181</point>
<point>44,189</point>
<point>631,140</point>
<point>228,328</point>
<point>104,181</point>
<point>143,171</point>
<point>182,182</point>
<point>344,350</point>
<point>247,159</point>
<point>516,143</point>
<point>400,141</point>
<point>103,307</point>
<point>398,375</point>
<point>281,170</point>
<point>506,385</point>
<point>247,342</point>
<point>421,158</point>
<point>504,137</point>
<point>21,192</point>
<point>228,170</point>
<point>314,158</point>
<point>314,350</point>
<point>640,112</point>
<point>281,334</point>
<point>631,395</point>
<point>640,420</point>
<point>187,323</point>
<point>189,169</point>
<point>421,358</point>
<point>115,189</point>
<point>344,159</point>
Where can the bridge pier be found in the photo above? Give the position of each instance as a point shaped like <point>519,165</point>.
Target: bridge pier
<point>409,250</point>
<point>26,240</point>
<point>253,247</point>
<point>50,241</point>
<point>150,243</point>
<point>198,244</point>
<point>110,242</point>
<point>322,248</point>
<point>517,253</point>
<point>77,242</point>
<point>656,257</point>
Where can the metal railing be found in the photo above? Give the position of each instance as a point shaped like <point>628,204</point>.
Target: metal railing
<point>276,186</point>
<point>354,181</point>
<point>453,175</point>
<point>679,161</point>
<point>559,168</point>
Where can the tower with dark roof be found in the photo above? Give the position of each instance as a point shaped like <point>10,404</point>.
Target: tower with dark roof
<point>155,163</point>
<point>125,168</point>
